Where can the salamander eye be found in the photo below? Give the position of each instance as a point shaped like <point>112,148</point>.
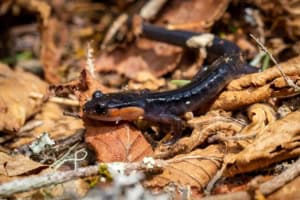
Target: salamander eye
<point>97,94</point>
<point>101,109</point>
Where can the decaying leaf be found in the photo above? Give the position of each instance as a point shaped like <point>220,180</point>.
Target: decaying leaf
<point>54,122</point>
<point>17,165</point>
<point>117,142</point>
<point>278,141</point>
<point>289,191</point>
<point>159,58</point>
<point>193,15</point>
<point>82,88</point>
<point>261,115</point>
<point>143,55</point>
<point>259,87</point>
<point>214,122</point>
<point>15,104</point>
<point>194,169</point>
<point>290,68</point>
<point>52,50</point>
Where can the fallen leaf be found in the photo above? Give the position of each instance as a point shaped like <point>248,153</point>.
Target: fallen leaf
<point>259,87</point>
<point>54,122</point>
<point>277,142</point>
<point>117,142</point>
<point>52,50</point>
<point>17,165</point>
<point>290,68</point>
<point>193,15</point>
<point>159,58</point>
<point>143,55</point>
<point>15,103</point>
<point>288,191</point>
<point>195,169</point>
<point>213,123</point>
<point>261,115</point>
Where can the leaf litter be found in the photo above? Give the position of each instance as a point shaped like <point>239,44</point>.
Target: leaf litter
<point>252,125</point>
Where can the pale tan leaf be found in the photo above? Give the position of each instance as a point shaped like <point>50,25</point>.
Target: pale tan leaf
<point>17,165</point>
<point>15,104</point>
<point>277,142</point>
<point>194,169</point>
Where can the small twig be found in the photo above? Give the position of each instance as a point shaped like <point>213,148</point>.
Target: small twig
<point>215,179</point>
<point>278,181</point>
<point>90,65</point>
<point>72,114</point>
<point>150,10</point>
<point>57,177</point>
<point>63,159</point>
<point>286,78</point>
<point>29,126</point>
<point>241,137</point>
<point>58,100</point>
<point>230,196</point>
<point>113,29</point>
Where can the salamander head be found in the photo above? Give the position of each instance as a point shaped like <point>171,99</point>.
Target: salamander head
<point>113,107</point>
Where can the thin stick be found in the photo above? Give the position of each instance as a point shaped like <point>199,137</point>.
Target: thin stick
<point>278,181</point>
<point>57,177</point>
<point>58,100</point>
<point>150,10</point>
<point>214,180</point>
<point>286,78</point>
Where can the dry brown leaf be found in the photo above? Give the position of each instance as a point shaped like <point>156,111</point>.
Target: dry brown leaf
<point>17,165</point>
<point>192,15</point>
<point>15,104</point>
<point>290,68</point>
<point>259,87</point>
<point>261,115</point>
<point>53,43</point>
<point>117,142</point>
<point>194,169</point>
<point>159,58</point>
<point>54,122</point>
<point>82,88</point>
<point>214,122</point>
<point>278,141</point>
<point>289,191</point>
<point>143,55</point>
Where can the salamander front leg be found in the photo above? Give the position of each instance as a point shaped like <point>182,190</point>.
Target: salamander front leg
<point>175,123</point>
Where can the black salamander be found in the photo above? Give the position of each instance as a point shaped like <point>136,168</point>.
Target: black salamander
<point>167,107</point>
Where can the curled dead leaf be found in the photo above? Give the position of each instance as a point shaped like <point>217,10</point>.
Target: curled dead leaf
<point>261,115</point>
<point>214,122</point>
<point>278,141</point>
<point>290,68</point>
<point>259,87</point>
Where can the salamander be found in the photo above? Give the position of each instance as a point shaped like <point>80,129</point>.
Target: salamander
<point>167,107</point>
